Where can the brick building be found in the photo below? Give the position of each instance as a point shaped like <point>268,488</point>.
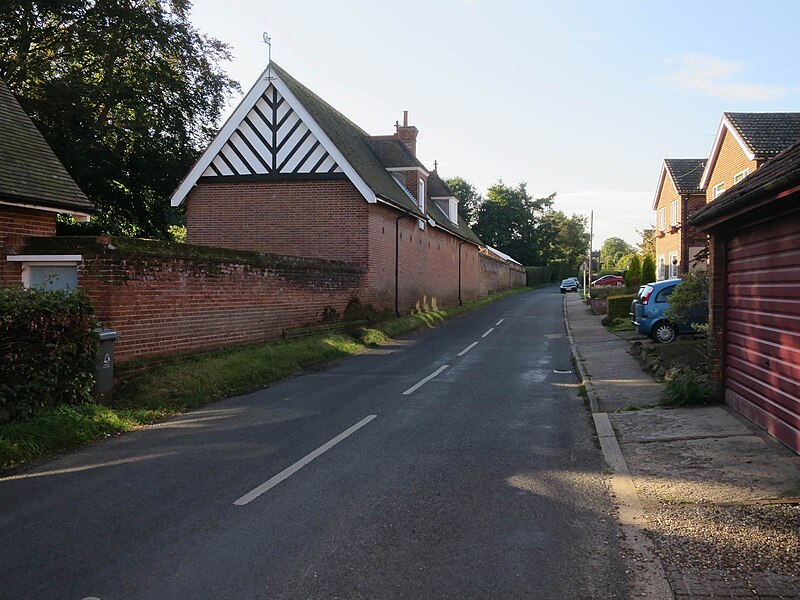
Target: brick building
<point>34,188</point>
<point>678,197</point>
<point>290,174</point>
<point>743,143</point>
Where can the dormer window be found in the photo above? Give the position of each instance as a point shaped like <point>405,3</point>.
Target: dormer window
<point>453,212</point>
<point>421,195</point>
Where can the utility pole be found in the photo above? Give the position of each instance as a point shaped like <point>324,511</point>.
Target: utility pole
<point>591,245</point>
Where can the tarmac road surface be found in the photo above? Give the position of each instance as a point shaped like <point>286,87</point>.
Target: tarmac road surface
<point>458,463</point>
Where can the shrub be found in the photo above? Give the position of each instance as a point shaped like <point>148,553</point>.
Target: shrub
<point>689,388</point>
<point>619,306</point>
<point>48,349</point>
<point>633,276</point>
<point>648,269</point>
<point>689,302</point>
<point>603,292</point>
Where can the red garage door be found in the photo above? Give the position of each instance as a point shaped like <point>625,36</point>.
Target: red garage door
<point>762,352</point>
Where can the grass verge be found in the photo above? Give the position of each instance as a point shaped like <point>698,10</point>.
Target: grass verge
<point>199,380</point>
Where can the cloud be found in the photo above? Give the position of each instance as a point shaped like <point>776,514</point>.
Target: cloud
<point>716,77</point>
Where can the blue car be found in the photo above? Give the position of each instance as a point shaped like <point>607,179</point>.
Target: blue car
<point>647,312</point>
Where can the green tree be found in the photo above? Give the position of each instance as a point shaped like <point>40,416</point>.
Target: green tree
<point>633,275</point>
<point>508,220</point>
<point>564,239</point>
<point>648,269</point>
<point>126,94</point>
<point>613,249</point>
<point>469,199</point>
<point>648,243</point>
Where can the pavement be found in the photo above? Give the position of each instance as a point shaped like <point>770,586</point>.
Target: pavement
<point>717,499</point>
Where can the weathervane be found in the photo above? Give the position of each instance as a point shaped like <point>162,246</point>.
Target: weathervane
<point>268,42</point>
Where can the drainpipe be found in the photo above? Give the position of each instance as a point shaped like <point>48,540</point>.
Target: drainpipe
<point>397,263</point>
<point>460,302</point>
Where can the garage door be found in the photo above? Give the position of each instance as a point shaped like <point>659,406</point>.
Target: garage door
<point>762,353</point>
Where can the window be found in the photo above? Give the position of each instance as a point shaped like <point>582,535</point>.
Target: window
<point>673,264</point>
<point>673,213</point>
<point>421,195</point>
<point>665,293</point>
<point>741,175</point>
<point>662,219</point>
<point>50,272</point>
<point>717,190</point>
<point>453,212</point>
<point>661,274</point>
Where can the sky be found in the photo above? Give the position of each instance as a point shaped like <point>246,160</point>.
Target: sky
<point>584,99</point>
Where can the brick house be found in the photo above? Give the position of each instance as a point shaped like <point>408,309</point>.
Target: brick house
<point>289,174</point>
<point>678,196</point>
<point>34,188</point>
<point>743,143</point>
<point>754,315</point>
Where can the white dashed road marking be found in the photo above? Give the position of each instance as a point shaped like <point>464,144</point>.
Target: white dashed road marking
<point>419,384</point>
<point>468,348</point>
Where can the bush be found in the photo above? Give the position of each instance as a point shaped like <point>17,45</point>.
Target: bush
<point>603,292</point>
<point>648,269</point>
<point>689,388</point>
<point>689,302</point>
<point>633,276</point>
<point>619,306</point>
<point>48,349</point>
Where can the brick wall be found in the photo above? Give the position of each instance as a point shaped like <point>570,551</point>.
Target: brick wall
<point>730,161</point>
<point>318,219</point>
<point>15,224</point>
<point>167,299</point>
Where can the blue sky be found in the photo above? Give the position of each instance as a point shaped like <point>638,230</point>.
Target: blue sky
<point>580,98</point>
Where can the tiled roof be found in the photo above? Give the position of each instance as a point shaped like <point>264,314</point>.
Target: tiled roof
<point>766,134</point>
<point>776,176</point>
<point>437,188</point>
<point>358,148</point>
<point>686,173</point>
<point>351,141</point>
<point>30,173</point>
<point>392,152</point>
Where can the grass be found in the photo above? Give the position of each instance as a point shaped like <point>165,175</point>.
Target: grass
<point>198,380</point>
<point>621,324</point>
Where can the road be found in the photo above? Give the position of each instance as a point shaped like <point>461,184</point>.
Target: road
<point>457,463</point>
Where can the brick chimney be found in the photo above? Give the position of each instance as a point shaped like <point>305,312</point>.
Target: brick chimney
<point>408,134</point>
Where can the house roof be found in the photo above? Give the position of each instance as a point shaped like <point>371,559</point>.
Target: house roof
<point>776,176</point>
<point>760,135</point>
<point>503,255</point>
<point>351,141</point>
<point>393,153</point>
<point>686,173</point>
<point>437,188</point>
<point>30,172</point>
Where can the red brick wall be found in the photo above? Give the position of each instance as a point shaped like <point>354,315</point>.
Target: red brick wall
<point>16,223</point>
<point>318,219</point>
<point>166,299</point>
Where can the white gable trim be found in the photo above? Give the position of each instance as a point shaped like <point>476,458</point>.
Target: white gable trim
<point>81,217</point>
<point>664,173</point>
<point>236,119</point>
<point>725,125</point>
<point>348,170</point>
<point>400,169</point>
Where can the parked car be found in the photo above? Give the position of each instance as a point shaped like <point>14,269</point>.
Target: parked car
<point>647,312</point>
<point>617,280</point>
<point>569,285</point>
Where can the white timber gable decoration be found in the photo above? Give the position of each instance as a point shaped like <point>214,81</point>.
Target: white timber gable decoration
<point>270,136</point>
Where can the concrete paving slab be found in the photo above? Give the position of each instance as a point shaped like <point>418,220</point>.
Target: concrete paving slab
<point>679,423</point>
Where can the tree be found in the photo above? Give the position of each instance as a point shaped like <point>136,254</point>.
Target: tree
<point>633,275</point>
<point>566,237</point>
<point>648,269</point>
<point>648,243</point>
<point>613,249</point>
<point>468,198</point>
<point>508,219</point>
<point>126,94</point>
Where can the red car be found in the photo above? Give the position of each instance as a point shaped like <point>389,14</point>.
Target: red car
<point>616,280</point>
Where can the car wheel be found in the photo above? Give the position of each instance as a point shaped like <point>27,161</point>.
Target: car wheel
<point>664,332</point>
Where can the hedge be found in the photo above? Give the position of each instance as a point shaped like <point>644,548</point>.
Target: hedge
<point>537,275</point>
<point>48,349</point>
<point>619,306</point>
